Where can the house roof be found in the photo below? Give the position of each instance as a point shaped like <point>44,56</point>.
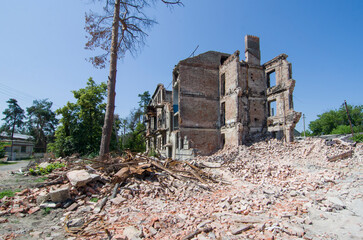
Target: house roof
<point>16,136</point>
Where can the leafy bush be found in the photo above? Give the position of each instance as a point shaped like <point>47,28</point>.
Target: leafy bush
<point>341,129</point>
<point>43,171</point>
<point>358,138</point>
<point>2,148</point>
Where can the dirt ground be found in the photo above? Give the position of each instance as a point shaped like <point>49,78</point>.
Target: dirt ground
<point>39,225</point>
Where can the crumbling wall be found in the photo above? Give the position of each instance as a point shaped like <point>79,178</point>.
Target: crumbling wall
<point>281,124</point>
<point>198,104</point>
<point>229,104</point>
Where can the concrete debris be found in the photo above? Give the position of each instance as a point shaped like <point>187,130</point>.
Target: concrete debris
<point>60,195</point>
<point>79,178</point>
<point>269,190</point>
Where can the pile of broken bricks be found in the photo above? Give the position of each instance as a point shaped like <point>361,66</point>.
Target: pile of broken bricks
<point>262,191</point>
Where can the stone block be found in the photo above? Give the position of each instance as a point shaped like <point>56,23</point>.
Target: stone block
<point>42,197</point>
<point>59,195</point>
<point>79,178</point>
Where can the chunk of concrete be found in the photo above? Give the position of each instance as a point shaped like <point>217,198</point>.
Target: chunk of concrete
<point>79,178</point>
<point>131,232</point>
<point>59,195</point>
<point>42,197</point>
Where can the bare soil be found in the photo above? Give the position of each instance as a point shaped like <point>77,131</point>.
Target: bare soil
<point>39,225</point>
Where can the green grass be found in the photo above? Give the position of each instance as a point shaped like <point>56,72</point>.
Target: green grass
<point>41,179</point>
<point>8,193</point>
<point>6,163</point>
<point>46,210</point>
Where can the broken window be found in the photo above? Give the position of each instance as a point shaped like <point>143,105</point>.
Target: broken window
<point>164,139</point>
<point>223,139</point>
<point>272,108</point>
<point>155,123</point>
<point>291,104</point>
<point>23,149</point>
<point>271,79</point>
<point>176,122</point>
<point>176,99</point>
<point>223,84</point>
<point>223,114</point>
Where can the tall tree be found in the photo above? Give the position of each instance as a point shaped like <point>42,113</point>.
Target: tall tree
<point>14,115</point>
<point>119,30</point>
<point>81,123</point>
<point>41,123</point>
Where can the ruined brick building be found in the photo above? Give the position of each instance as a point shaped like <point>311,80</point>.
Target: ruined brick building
<point>218,99</point>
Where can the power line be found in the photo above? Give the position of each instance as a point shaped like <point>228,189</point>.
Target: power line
<point>19,95</point>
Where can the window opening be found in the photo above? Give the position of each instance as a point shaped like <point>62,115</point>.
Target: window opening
<point>223,84</point>
<point>272,108</point>
<point>223,140</point>
<point>271,79</point>
<point>291,104</point>
<point>223,114</point>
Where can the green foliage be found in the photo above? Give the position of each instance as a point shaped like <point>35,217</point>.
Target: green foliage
<point>2,148</point>
<point>133,136</point>
<point>336,121</point>
<point>341,129</point>
<point>94,199</point>
<point>8,193</point>
<point>13,120</point>
<point>358,138</point>
<point>144,100</point>
<point>41,123</point>
<point>81,124</point>
<point>46,210</point>
<point>43,171</point>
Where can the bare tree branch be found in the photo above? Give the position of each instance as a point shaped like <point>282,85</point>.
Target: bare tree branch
<point>119,30</point>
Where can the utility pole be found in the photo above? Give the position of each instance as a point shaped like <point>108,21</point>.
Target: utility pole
<point>304,125</point>
<point>350,123</point>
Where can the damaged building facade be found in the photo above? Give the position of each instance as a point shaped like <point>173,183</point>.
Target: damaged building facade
<point>218,99</point>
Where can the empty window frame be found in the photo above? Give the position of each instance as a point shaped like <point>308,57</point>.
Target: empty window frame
<point>23,149</point>
<point>271,79</point>
<point>291,103</point>
<point>223,139</point>
<point>223,114</point>
<point>223,84</point>
<point>272,108</point>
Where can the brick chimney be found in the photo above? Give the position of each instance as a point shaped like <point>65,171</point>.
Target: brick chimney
<point>252,51</point>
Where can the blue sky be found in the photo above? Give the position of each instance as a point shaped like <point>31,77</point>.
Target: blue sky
<point>43,55</point>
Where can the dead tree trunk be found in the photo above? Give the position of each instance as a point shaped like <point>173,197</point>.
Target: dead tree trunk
<point>111,93</point>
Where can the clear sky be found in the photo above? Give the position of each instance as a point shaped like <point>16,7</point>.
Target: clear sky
<point>43,56</point>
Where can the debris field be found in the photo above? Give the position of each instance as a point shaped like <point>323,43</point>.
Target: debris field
<point>309,189</point>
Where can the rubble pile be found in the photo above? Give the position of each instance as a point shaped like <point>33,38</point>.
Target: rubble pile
<point>269,190</point>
